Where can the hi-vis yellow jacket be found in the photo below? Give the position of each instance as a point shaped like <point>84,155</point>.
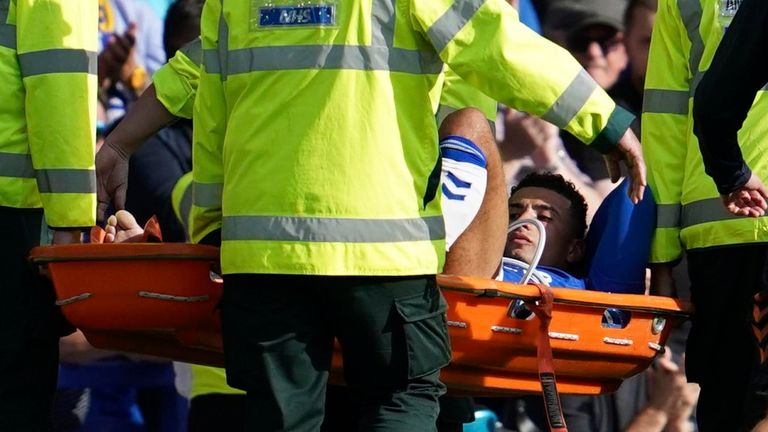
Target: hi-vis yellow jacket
<point>690,214</point>
<point>176,86</point>
<point>176,81</point>
<point>205,379</point>
<point>315,145</point>
<point>48,108</point>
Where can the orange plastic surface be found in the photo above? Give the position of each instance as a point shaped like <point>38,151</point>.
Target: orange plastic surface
<point>133,286</point>
<point>493,354</point>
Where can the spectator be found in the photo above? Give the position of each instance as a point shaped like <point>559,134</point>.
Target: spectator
<point>628,91</point>
<point>593,31</point>
<point>130,51</point>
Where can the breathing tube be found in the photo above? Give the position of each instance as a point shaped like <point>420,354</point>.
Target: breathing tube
<point>531,274</point>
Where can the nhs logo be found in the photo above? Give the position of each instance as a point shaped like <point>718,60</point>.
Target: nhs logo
<point>297,16</point>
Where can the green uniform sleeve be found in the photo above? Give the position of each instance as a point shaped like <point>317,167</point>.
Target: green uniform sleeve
<point>666,124</point>
<point>484,42</point>
<point>210,127</point>
<point>176,81</point>
<point>56,46</point>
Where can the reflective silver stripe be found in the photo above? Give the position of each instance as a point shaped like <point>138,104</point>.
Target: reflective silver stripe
<point>207,194</point>
<point>61,60</point>
<point>697,77</point>
<point>665,101</point>
<point>571,101</point>
<point>690,12</point>
<point>65,180</point>
<point>4,9</point>
<point>383,23</point>
<point>194,51</point>
<point>380,56</point>
<point>703,211</point>
<point>354,57</point>
<point>667,215</point>
<point>310,229</point>
<point>211,61</point>
<point>185,207</point>
<point>16,165</point>
<point>442,32</point>
<point>8,36</point>
<point>222,45</point>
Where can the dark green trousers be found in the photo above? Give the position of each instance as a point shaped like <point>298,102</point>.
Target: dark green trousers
<point>278,339</point>
<point>30,326</point>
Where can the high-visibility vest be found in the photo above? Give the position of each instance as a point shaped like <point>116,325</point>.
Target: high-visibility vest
<point>690,213</point>
<point>315,146</point>
<point>48,108</point>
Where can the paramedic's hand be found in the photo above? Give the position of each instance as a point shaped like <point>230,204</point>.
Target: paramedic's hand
<point>66,237</point>
<point>111,178</point>
<point>748,200</point>
<point>628,150</point>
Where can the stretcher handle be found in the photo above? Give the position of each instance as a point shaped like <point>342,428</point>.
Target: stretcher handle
<point>174,298</point>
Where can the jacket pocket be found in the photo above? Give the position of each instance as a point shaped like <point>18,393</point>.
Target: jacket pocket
<point>426,332</point>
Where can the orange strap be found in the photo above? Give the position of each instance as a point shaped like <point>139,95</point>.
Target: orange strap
<point>760,323</point>
<point>543,310</point>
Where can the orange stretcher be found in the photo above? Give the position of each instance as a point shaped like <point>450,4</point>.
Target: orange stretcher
<point>160,299</point>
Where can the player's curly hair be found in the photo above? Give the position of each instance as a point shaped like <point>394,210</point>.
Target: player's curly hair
<point>558,184</point>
